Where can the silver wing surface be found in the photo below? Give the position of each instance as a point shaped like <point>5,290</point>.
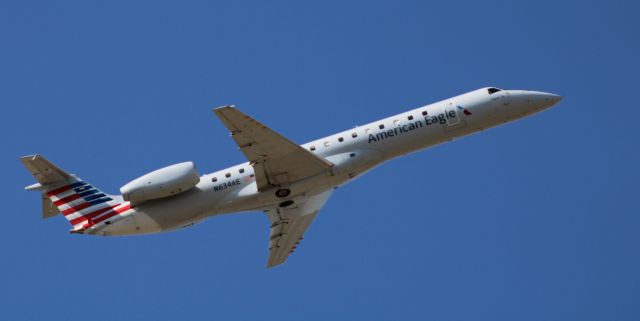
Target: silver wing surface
<point>289,224</point>
<point>276,160</point>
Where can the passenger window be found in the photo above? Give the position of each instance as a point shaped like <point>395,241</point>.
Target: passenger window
<point>312,148</point>
<point>241,170</point>
<point>352,155</point>
<point>214,179</point>
<point>424,113</point>
<point>227,175</point>
<point>340,139</point>
<point>381,126</point>
<point>354,135</point>
<point>410,117</point>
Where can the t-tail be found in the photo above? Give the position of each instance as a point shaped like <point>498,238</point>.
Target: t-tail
<point>81,204</point>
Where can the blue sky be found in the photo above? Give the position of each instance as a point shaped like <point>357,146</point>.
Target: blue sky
<point>534,220</point>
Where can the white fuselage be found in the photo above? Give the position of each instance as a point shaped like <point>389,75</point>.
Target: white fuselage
<point>353,152</point>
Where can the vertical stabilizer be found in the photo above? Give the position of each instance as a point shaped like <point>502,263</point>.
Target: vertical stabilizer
<point>81,204</point>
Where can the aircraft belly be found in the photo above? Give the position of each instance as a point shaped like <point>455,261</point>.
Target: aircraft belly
<point>172,217</point>
<point>183,209</point>
<point>132,222</point>
<point>196,205</point>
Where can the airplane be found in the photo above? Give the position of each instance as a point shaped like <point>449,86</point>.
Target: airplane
<point>289,182</point>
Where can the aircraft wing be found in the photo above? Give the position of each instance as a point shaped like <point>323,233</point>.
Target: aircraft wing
<point>275,159</point>
<point>289,224</point>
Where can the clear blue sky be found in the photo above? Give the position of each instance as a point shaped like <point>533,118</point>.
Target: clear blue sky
<point>535,220</point>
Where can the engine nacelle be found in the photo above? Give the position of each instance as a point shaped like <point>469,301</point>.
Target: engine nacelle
<point>165,182</point>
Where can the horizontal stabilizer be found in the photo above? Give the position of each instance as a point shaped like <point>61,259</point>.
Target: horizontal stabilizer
<point>48,209</point>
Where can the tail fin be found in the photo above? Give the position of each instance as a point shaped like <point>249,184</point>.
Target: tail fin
<point>80,203</point>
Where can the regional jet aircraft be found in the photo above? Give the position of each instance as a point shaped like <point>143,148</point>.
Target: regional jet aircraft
<point>287,181</point>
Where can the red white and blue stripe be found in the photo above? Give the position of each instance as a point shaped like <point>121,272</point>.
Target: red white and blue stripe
<point>85,206</point>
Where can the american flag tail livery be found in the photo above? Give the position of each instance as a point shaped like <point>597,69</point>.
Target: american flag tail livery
<point>81,204</point>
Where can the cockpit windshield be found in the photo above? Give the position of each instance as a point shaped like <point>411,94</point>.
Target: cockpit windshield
<point>493,90</point>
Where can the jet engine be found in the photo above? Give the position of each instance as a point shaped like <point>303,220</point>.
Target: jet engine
<point>165,182</point>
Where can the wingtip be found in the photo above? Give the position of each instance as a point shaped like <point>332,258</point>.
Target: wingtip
<point>32,156</point>
<point>223,107</point>
<point>272,265</point>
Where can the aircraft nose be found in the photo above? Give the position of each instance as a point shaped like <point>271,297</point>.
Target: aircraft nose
<point>552,99</point>
<point>545,99</point>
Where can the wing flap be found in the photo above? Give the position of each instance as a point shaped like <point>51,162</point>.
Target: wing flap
<point>289,224</point>
<point>286,234</point>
